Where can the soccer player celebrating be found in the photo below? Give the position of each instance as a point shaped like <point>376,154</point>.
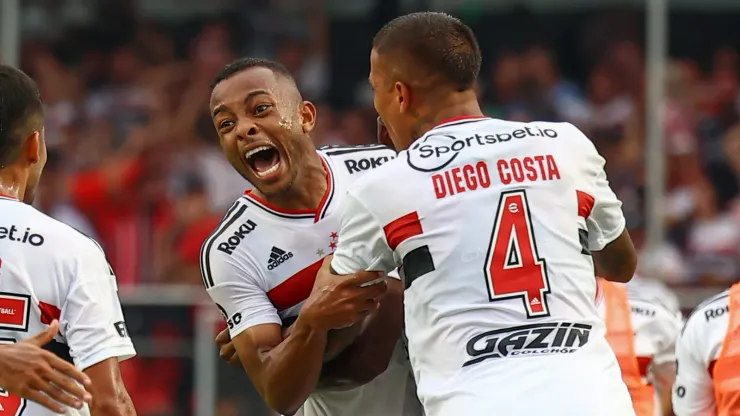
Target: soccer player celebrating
<point>260,264</point>
<point>50,272</point>
<point>497,226</point>
<point>642,331</point>
<point>708,359</point>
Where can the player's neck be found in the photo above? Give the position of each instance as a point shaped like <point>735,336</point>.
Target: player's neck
<point>463,104</point>
<point>12,183</point>
<point>307,190</point>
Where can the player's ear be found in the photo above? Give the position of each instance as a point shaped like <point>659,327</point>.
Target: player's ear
<point>308,116</point>
<point>403,96</point>
<point>33,147</point>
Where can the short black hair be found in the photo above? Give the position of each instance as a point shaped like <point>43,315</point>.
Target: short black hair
<point>20,104</point>
<point>242,64</point>
<point>438,43</point>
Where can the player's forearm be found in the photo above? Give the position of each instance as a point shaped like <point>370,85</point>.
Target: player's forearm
<point>370,354</point>
<point>618,260</point>
<point>293,368</point>
<point>105,406</point>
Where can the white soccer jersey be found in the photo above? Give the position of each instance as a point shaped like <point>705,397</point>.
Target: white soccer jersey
<point>656,330</point>
<point>260,264</point>
<point>493,224</point>
<point>697,350</point>
<point>655,291</point>
<point>48,271</point>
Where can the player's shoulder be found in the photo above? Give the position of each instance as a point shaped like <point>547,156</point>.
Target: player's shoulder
<point>228,243</point>
<point>651,310</point>
<point>357,159</point>
<point>499,129</point>
<point>707,314</point>
<point>35,228</point>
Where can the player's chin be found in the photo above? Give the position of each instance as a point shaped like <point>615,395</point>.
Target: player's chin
<point>272,183</point>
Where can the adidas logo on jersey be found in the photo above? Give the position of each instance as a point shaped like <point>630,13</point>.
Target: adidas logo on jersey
<point>278,257</point>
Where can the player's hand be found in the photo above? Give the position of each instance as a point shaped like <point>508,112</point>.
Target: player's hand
<point>227,351</point>
<point>339,301</point>
<point>28,371</point>
<point>384,136</point>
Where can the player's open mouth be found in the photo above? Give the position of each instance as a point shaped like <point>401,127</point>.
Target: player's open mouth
<point>264,160</point>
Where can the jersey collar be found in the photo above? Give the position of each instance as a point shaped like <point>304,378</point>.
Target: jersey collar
<point>458,120</point>
<point>317,214</point>
<point>8,197</point>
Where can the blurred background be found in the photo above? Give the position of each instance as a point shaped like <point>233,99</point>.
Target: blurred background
<point>134,158</point>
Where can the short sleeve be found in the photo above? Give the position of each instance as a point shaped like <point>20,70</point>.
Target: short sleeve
<point>91,319</point>
<point>234,286</point>
<point>693,392</point>
<point>362,244</point>
<point>605,220</point>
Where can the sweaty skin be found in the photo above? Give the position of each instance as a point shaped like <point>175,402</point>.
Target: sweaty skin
<point>257,108</point>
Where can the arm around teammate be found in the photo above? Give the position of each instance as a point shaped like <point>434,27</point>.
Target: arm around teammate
<point>28,371</point>
<point>285,369</point>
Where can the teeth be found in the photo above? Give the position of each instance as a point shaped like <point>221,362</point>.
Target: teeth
<point>255,150</point>
<point>269,171</point>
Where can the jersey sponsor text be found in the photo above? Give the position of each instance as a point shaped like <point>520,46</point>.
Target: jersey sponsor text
<point>532,339</point>
<point>236,238</point>
<point>12,234</point>
<point>362,164</point>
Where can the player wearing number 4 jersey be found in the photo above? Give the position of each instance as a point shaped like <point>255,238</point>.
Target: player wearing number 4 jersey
<point>52,276</point>
<point>497,244</point>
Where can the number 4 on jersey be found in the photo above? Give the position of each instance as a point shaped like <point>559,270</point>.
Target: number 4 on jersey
<point>513,268</point>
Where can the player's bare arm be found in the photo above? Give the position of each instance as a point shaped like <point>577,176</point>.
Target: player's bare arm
<point>28,371</point>
<point>664,375</point>
<point>285,371</point>
<point>110,397</point>
<point>618,260</point>
<point>369,355</point>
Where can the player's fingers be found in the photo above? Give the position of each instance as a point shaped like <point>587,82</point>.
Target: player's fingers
<point>45,401</point>
<point>227,352</point>
<point>63,389</point>
<point>58,392</point>
<point>45,336</point>
<point>365,277</point>
<point>375,289</point>
<point>223,337</point>
<point>326,264</point>
<point>68,370</point>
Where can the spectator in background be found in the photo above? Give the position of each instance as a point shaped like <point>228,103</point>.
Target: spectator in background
<point>505,77</point>
<point>563,96</point>
<point>713,240</point>
<point>53,198</point>
<point>178,242</point>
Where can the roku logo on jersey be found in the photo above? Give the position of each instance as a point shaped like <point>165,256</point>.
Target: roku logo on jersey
<point>12,234</point>
<point>715,313</point>
<point>233,242</point>
<point>527,340</point>
<point>354,166</point>
<point>460,179</point>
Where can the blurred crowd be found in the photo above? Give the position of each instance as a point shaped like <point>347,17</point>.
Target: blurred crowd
<point>135,162</point>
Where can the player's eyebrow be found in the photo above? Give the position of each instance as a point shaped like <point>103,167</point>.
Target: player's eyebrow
<point>250,96</point>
